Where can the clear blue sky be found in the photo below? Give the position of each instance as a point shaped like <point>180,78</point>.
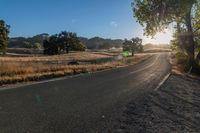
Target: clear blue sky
<point>89,18</point>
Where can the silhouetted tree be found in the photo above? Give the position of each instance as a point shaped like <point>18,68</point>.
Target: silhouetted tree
<point>127,45</point>
<point>4,31</point>
<point>133,45</point>
<point>156,15</point>
<point>51,46</point>
<point>63,43</point>
<point>69,41</point>
<point>138,43</point>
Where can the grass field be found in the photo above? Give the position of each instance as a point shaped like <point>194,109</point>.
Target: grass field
<point>22,69</point>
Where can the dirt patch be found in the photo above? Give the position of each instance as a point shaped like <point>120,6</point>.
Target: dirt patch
<point>175,107</point>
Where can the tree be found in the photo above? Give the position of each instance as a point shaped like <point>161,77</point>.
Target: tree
<point>157,15</point>
<point>138,42</point>
<point>37,45</point>
<point>4,31</point>
<point>78,47</point>
<point>127,46</point>
<point>27,44</point>
<point>196,25</point>
<point>133,45</point>
<point>51,46</point>
<point>63,43</point>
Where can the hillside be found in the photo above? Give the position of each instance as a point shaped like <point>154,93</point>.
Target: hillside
<point>92,43</point>
<point>101,43</point>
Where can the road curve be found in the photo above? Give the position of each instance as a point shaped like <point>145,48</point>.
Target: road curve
<point>82,104</point>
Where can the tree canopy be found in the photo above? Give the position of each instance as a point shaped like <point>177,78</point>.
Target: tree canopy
<point>133,45</point>
<point>63,43</point>
<point>157,15</point>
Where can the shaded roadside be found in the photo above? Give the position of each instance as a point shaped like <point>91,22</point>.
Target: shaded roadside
<point>175,107</point>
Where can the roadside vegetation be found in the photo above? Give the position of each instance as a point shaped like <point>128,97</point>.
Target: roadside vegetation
<point>157,15</point>
<point>23,69</point>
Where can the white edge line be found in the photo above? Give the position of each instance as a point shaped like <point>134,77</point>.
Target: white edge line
<point>139,70</point>
<point>162,82</point>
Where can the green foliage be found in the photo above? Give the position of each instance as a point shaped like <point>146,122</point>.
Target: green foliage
<point>4,31</point>
<point>78,47</point>
<point>63,43</point>
<point>133,45</point>
<point>196,26</point>
<point>51,46</point>
<point>37,46</point>
<point>127,45</point>
<point>196,23</point>
<point>156,15</point>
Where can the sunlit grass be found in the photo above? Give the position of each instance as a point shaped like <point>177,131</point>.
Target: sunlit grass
<point>23,69</point>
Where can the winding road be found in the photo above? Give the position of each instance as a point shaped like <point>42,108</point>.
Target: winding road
<point>79,104</point>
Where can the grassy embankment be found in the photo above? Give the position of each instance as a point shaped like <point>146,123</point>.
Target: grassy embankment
<point>23,69</point>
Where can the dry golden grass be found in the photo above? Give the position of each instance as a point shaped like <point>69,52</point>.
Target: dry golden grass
<point>24,69</point>
<point>71,56</point>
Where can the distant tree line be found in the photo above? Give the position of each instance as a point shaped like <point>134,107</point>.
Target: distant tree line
<point>35,42</point>
<point>4,31</point>
<point>134,45</point>
<point>63,43</point>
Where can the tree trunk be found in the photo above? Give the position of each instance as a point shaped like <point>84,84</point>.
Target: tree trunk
<point>180,36</point>
<point>190,44</point>
<point>133,52</point>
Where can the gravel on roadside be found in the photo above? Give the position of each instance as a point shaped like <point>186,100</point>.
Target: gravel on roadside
<point>174,107</point>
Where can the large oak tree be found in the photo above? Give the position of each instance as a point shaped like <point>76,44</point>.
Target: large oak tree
<point>157,15</point>
<point>63,43</point>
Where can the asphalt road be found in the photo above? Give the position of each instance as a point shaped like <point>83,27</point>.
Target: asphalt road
<point>80,104</point>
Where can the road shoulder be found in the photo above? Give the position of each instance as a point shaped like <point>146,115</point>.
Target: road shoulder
<point>174,107</point>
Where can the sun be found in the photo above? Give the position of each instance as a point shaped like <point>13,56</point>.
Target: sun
<point>160,38</point>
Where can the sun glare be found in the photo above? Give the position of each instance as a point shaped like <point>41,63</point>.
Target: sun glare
<point>160,38</point>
